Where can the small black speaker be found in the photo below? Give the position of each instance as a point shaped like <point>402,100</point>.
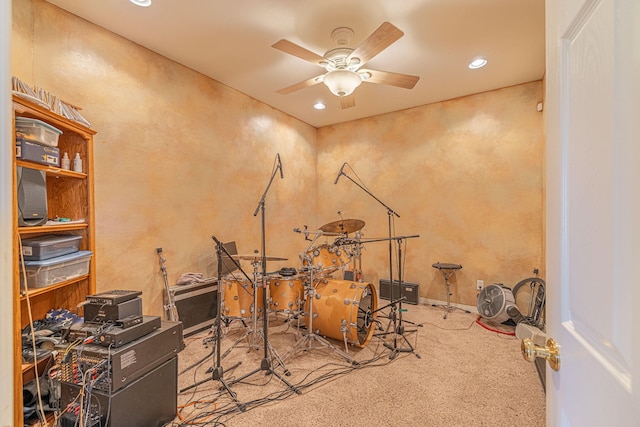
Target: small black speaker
<point>32,197</point>
<point>408,290</point>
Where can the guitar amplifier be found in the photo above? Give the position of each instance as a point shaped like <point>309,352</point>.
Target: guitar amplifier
<point>196,304</point>
<point>408,290</point>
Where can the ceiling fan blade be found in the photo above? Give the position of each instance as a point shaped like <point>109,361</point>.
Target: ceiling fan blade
<point>296,50</point>
<point>347,101</point>
<point>384,36</point>
<point>301,85</point>
<point>391,79</point>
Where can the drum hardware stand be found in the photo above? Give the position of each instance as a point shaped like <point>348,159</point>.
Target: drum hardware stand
<point>253,330</point>
<point>170,308</point>
<point>311,335</point>
<point>217,370</point>
<point>265,364</point>
<point>357,262</point>
<point>447,270</point>
<point>355,253</point>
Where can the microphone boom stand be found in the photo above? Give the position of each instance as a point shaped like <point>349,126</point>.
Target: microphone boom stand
<point>398,328</point>
<point>396,319</point>
<point>265,364</point>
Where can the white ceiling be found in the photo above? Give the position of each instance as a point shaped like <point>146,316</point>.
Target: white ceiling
<point>230,41</point>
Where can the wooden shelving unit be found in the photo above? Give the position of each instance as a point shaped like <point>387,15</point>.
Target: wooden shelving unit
<point>69,195</point>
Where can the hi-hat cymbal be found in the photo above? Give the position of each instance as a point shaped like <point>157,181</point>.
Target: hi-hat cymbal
<point>343,226</point>
<point>258,257</point>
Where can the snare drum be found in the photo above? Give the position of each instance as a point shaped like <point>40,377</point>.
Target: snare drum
<point>238,298</point>
<point>327,257</point>
<point>286,293</point>
<point>343,306</point>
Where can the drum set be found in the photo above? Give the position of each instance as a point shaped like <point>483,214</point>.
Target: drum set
<point>311,296</point>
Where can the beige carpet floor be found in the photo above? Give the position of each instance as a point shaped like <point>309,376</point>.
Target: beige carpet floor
<point>447,372</point>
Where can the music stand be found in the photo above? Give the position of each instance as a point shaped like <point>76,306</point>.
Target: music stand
<point>217,372</point>
<point>228,264</point>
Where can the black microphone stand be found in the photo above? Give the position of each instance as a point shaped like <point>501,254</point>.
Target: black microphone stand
<point>265,364</point>
<point>396,318</point>
<point>390,213</point>
<point>398,327</point>
<point>217,370</point>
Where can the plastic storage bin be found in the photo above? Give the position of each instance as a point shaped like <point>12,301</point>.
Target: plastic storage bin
<point>45,273</point>
<point>49,246</point>
<point>37,131</point>
<point>38,153</point>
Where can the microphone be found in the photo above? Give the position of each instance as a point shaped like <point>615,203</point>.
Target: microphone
<point>305,231</point>
<point>280,165</point>
<point>339,173</point>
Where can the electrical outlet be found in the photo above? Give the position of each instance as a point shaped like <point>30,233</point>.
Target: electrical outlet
<point>479,284</point>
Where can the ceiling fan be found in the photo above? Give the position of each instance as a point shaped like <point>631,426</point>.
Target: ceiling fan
<point>342,64</point>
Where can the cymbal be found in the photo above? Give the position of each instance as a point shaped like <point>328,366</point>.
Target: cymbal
<point>258,257</point>
<point>343,226</point>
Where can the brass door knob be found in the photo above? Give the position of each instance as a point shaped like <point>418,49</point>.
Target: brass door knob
<point>551,352</point>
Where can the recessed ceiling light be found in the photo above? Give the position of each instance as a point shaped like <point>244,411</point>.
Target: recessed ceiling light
<point>319,106</point>
<point>477,63</point>
<point>143,3</point>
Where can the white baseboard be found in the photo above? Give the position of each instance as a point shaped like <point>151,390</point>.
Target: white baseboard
<point>428,301</point>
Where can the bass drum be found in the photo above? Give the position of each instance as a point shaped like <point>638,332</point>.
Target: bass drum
<point>341,305</point>
<point>237,299</point>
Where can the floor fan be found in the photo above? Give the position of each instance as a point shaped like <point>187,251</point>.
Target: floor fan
<point>493,302</point>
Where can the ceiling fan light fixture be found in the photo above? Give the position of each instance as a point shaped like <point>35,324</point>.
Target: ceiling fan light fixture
<point>142,3</point>
<point>342,82</point>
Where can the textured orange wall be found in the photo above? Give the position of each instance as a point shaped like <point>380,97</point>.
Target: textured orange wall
<point>180,157</point>
<point>465,175</point>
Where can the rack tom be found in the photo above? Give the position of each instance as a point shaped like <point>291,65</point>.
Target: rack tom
<point>238,298</point>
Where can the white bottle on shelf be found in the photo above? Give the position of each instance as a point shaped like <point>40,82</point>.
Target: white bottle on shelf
<point>77,163</point>
<point>66,162</point>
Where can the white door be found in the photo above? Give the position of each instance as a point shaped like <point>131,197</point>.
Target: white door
<point>593,211</point>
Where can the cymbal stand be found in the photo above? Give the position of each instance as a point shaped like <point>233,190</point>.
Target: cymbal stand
<point>304,343</point>
<point>265,364</point>
<point>217,370</point>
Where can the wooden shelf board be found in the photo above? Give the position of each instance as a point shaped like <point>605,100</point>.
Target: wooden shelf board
<point>51,228</point>
<point>37,291</point>
<point>51,170</point>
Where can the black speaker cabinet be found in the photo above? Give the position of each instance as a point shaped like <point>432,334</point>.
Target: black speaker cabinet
<point>32,197</point>
<point>408,290</point>
<point>150,401</point>
<point>197,305</point>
